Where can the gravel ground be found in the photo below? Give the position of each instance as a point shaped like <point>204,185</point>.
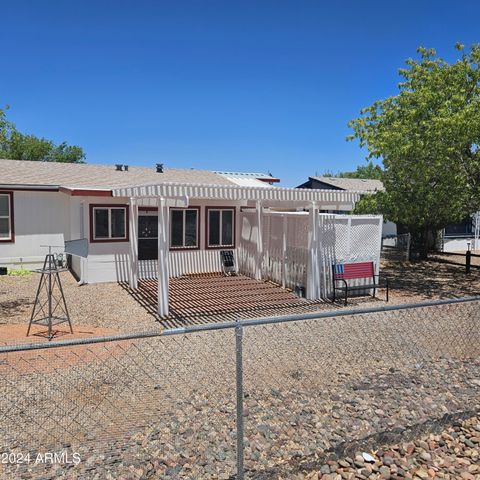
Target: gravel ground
<point>110,306</point>
<point>106,305</point>
<point>430,280</point>
<point>453,453</point>
<point>164,407</point>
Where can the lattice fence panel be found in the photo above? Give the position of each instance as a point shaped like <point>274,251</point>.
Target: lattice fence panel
<point>342,238</point>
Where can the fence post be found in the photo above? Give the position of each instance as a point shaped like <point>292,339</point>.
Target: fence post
<point>408,246</point>
<point>468,261</point>
<point>239,379</point>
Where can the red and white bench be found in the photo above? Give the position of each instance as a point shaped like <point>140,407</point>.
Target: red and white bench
<point>343,272</point>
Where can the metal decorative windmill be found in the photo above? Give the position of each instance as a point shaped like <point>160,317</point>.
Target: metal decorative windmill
<point>50,307</point>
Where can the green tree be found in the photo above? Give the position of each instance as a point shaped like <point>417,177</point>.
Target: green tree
<point>370,171</point>
<point>428,138</point>
<point>18,146</point>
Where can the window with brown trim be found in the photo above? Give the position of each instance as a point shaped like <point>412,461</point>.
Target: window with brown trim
<point>108,223</point>
<point>184,228</point>
<point>220,227</point>
<point>6,217</point>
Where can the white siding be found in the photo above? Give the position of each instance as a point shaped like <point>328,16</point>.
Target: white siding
<point>107,261</point>
<point>40,218</point>
<point>457,244</point>
<point>50,218</point>
<point>185,263</point>
<point>389,229</point>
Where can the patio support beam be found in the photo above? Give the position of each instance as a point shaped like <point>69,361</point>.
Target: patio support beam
<point>313,267</point>
<point>163,273</point>
<point>259,258</point>
<point>284,250</point>
<point>133,226</point>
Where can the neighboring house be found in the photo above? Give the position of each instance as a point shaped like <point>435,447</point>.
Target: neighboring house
<point>160,222</point>
<point>361,185</point>
<point>462,235</point>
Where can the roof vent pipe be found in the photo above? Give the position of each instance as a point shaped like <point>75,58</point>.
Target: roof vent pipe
<point>118,167</point>
<point>159,167</point>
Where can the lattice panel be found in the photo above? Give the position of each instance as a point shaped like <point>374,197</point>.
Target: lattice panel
<point>365,239</point>
<point>342,238</point>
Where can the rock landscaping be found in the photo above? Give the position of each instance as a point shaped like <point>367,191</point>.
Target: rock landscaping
<point>453,453</point>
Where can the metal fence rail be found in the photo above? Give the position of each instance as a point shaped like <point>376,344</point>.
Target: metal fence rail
<point>468,259</point>
<point>254,398</point>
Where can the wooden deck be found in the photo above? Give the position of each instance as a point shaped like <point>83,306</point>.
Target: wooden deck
<point>206,298</point>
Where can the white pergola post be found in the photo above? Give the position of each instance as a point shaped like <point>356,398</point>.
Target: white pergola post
<point>284,250</point>
<point>259,257</point>
<point>162,265</point>
<point>313,267</point>
<point>266,254</point>
<point>133,229</point>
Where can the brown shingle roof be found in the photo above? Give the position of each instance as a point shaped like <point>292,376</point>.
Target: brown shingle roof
<point>20,172</point>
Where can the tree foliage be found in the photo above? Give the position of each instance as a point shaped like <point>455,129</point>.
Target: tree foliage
<point>19,146</point>
<point>428,138</point>
<point>370,171</point>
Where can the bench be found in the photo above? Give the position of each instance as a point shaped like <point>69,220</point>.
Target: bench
<point>342,272</point>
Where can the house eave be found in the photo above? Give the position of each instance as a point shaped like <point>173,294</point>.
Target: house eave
<point>274,195</point>
<point>28,187</point>
<point>86,192</point>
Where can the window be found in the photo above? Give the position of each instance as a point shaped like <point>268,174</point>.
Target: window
<point>6,217</point>
<point>184,228</point>
<point>220,227</point>
<point>109,223</point>
<point>461,229</point>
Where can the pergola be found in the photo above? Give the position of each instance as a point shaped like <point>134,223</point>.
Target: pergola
<point>167,195</point>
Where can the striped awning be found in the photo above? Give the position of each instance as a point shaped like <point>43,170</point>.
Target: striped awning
<point>240,193</point>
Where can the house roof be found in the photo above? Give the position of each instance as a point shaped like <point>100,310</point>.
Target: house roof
<point>249,179</point>
<point>146,182</point>
<point>355,184</point>
<point>23,173</point>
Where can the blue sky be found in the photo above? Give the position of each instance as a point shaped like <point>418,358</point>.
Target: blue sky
<point>224,85</point>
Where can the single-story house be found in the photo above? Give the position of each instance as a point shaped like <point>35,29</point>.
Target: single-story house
<point>164,222</point>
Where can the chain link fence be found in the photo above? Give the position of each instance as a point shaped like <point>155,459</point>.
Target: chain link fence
<point>297,389</point>
<point>396,248</point>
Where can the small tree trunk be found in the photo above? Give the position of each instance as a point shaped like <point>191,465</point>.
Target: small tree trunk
<point>425,245</point>
<point>421,242</point>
